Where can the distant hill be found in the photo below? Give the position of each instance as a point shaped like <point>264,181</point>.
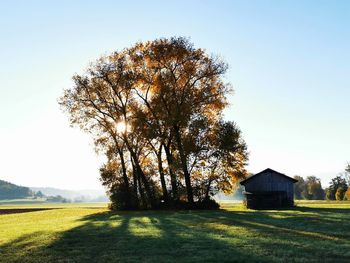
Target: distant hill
<point>12,191</point>
<point>74,195</point>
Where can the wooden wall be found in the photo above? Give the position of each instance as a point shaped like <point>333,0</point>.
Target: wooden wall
<point>268,182</point>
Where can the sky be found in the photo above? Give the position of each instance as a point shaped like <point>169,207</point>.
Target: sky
<point>289,64</point>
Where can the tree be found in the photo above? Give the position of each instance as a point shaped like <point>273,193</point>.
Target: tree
<point>346,173</point>
<point>39,194</point>
<point>217,160</point>
<point>299,187</point>
<point>186,88</point>
<point>339,195</point>
<point>347,194</point>
<point>314,188</point>
<point>155,110</point>
<point>337,182</point>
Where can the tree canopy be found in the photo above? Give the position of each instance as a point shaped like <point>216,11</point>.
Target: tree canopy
<point>156,110</point>
<point>337,188</point>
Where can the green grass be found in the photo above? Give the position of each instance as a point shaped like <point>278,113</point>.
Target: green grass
<point>311,232</point>
<point>21,205</point>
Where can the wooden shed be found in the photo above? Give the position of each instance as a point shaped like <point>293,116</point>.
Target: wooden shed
<point>268,189</point>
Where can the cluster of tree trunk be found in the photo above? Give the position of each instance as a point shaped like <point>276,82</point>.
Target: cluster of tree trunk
<point>156,110</point>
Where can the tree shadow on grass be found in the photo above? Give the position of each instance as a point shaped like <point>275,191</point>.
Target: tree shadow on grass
<point>197,236</point>
<point>144,237</point>
<point>311,234</point>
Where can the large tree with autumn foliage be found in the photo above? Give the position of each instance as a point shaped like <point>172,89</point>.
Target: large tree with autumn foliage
<point>155,110</point>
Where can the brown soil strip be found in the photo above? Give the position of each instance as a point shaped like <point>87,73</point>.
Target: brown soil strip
<point>22,210</point>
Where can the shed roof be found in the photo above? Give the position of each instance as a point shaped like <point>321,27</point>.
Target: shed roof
<point>268,170</point>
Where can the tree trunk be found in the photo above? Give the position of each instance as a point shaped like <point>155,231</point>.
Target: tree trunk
<point>161,173</point>
<point>135,182</point>
<point>142,175</point>
<point>184,165</point>
<point>142,194</point>
<point>207,190</point>
<point>125,176</point>
<point>138,187</point>
<point>170,161</point>
<point>122,160</point>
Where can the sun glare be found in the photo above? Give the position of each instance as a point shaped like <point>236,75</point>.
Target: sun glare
<point>122,127</point>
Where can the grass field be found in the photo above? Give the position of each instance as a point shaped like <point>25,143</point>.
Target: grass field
<point>310,232</point>
<point>23,201</point>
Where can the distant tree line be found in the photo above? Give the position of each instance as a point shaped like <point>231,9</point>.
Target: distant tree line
<point>57,199</point>
<point>156,111</point>
<point>311,188</point>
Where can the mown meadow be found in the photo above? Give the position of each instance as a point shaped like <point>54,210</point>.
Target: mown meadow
<point>310,232</point>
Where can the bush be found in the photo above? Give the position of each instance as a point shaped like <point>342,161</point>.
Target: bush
<point>122,198</point>
<point>207,204</point>
<point>329,194</point>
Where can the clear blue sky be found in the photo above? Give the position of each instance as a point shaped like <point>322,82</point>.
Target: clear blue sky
<point>289,65</point>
